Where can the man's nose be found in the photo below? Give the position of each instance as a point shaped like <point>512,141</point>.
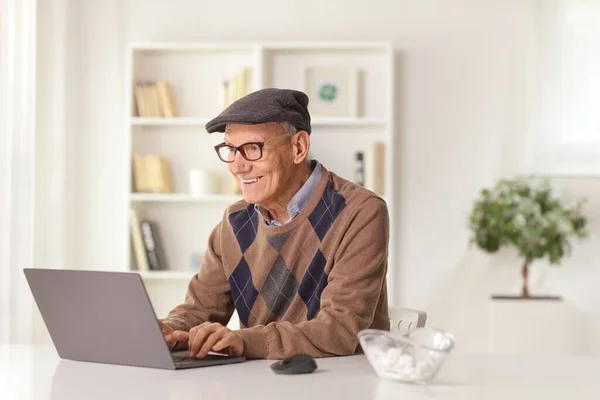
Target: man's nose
<point>239,164</point>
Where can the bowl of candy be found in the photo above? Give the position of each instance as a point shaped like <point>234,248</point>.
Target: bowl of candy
<point>414,357</point>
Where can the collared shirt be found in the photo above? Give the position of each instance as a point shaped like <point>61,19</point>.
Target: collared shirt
<point>299,200</point>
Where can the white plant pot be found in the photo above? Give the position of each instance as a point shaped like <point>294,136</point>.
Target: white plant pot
<point>537,325</point>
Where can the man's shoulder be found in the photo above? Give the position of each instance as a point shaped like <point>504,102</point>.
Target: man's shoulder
<point>354,194</point>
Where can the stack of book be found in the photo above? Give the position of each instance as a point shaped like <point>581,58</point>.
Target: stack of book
<point>148,249</point>
<point>154,99</point>
<point>236,87</point>
<point>151,174</point>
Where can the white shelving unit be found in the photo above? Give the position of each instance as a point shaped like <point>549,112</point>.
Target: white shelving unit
<point>183,198</point>
<point>195,71</point>
<point>167,275</point>
<point>169,121</point>
<point>200,122</point>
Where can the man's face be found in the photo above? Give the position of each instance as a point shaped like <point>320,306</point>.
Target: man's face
<point>262,181</point>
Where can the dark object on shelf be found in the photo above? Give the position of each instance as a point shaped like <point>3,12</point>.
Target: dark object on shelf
<point>153,244</point>
<point>359,171</point>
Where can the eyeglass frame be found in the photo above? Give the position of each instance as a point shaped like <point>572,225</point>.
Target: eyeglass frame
<point>238,149</point>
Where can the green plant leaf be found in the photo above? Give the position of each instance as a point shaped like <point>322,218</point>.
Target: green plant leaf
<point>527,214</point>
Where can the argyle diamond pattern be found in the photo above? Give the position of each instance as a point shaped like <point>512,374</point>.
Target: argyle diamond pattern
<point>326,211</point>
<point>280,288</point>
<point>281,285</point>
<point>245,226</point>
<point>313,283</point>
<point>278,241</point>
<point>242,290</point>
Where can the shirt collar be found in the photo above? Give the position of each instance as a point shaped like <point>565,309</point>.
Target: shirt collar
<point>299,200</point>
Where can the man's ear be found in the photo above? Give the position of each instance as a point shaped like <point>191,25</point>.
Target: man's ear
<point>301,146</point>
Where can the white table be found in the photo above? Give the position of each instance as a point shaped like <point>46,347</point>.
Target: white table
<point>36,372</point>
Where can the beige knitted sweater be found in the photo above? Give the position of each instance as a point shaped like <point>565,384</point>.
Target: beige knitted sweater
<point>307,286</point>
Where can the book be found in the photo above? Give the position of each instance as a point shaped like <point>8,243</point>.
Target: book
<point>141,101</point>
<point>151,174</point>
<point>157,260</point>
<point>238,86</point>
<point>137,240</point>
<point>165,97</point>
<point>139,174</point>
<point>154,99</point>
<point>374,168</point>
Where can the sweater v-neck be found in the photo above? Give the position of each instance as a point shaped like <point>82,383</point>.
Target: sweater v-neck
<point>304,214</point>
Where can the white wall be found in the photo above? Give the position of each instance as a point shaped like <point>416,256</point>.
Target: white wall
<point>464,75</point>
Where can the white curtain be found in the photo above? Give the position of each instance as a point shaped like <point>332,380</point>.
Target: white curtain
<point>17,157</point>
<point>567,100</point>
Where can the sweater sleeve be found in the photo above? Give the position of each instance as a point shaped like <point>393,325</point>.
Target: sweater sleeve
<point>348,302</point>
<point>208,296</point>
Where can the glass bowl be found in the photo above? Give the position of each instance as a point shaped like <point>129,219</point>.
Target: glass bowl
<point>414,357</point>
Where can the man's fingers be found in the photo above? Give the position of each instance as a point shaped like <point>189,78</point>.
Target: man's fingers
<point>181,336</point>
<point>211,341</point>
<point>199,335</point>
<point>224,342</point>
<point>165,329</point>
<point>171,342</point>
<point>199,339</point>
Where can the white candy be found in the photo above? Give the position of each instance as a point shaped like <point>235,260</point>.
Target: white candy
<point>392,355</point>
<point>377,353</point>
<point>424,368</point>
<point>405,361</point>
<point>382,363</point>
<point>400,365</point>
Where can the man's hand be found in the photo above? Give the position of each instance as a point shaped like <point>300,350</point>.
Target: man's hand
<point>167,332</point>
<point>210,337</point>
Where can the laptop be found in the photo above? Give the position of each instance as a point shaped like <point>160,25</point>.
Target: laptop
<point>106,317</point>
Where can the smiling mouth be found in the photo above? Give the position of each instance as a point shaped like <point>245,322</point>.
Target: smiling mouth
<point>250,181</point>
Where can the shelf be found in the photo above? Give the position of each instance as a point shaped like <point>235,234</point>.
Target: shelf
<point>183,198</point>
<point>192,47</point>
<point>250,46</point>
<point>188,198</point>
<point>201,122</point>
<point>169,121</point>
<point>167,275</point>
<point>185,220</point>
<point>324,45</point>
<point>346,121</point>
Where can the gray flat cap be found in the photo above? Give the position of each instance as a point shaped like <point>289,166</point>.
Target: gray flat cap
<point>266,105</point>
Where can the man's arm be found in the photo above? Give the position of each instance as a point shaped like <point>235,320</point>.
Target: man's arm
<point>348,302</point>
<point>208,296</point>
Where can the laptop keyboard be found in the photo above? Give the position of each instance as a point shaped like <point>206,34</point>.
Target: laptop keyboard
<point>181,359</point>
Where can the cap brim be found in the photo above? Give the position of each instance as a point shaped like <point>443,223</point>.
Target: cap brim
<point>221,125</point>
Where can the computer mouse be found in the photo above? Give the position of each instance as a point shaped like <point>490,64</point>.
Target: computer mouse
<point>296,364</point>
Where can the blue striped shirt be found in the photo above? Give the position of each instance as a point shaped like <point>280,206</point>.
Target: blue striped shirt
<point>299,200</point>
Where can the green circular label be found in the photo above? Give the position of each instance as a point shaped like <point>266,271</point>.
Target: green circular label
<point>328,92</point>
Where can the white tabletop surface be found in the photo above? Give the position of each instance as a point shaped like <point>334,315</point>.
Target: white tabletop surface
<point>36,372</point>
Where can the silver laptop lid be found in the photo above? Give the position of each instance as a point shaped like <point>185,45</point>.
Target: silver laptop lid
<point>99,316</point>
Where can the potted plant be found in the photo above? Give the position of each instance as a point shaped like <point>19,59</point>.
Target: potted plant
<point>526,213</point>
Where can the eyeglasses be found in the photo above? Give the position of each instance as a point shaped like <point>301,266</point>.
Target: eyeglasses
<point>251,151</point>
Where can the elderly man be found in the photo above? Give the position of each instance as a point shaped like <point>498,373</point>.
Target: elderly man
<point>302,258</point>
